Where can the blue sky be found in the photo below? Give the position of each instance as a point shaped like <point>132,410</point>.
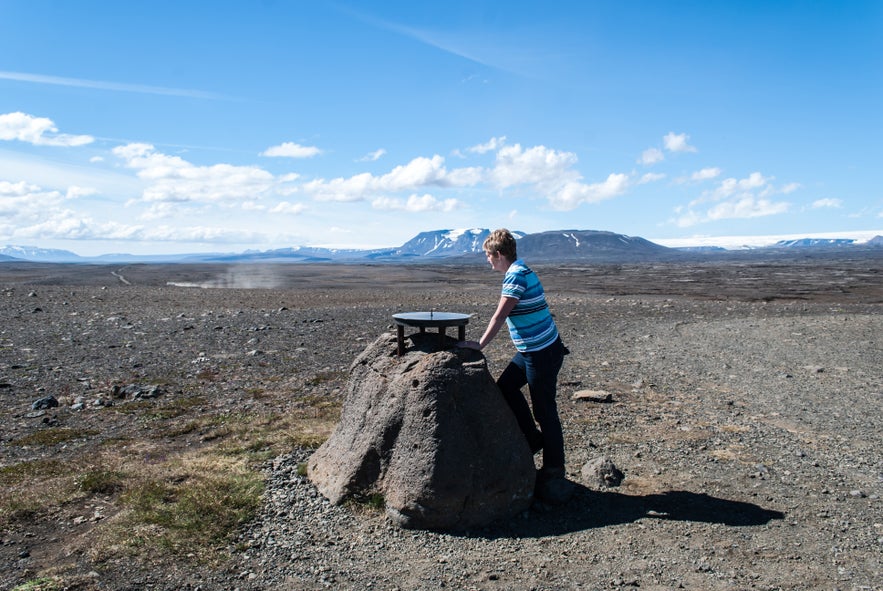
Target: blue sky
<point>167,127</point>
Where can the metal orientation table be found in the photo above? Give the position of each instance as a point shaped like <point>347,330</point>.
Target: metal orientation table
<point>431,319</point>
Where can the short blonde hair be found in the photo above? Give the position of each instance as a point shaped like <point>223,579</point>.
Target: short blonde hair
<point>503,242</point>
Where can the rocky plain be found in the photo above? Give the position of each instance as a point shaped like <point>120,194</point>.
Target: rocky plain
<point>741,398</point>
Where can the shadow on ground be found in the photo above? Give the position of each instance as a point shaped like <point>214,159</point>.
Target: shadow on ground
<point>590,509</point>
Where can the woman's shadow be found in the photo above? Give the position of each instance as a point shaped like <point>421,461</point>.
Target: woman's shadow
<point>589,509</point>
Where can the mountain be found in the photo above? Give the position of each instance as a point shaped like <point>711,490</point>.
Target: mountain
<point>301,254</point>
<point>445,243</point>
<point>560,245</point>
<point>570,245</point>
<point>449,245</point>
<point>815,243</point>
<point>36,254</point>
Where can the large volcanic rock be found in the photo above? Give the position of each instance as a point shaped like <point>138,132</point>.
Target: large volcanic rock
<point>430,432</point>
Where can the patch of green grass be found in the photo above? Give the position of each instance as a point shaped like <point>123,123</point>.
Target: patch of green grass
<point>52,436</point>
<point>324,377</point>
<point>31,470</point>
<point>101,482</point>
<point>27,489</point>
<point>133,407</point>
<point>169,501</point>
<point>196,512</point>
<point>158,409</point>
<point>41,584</point>
<point>372,503</point>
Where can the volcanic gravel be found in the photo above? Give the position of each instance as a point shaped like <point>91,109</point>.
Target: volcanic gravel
<point>747,421</point>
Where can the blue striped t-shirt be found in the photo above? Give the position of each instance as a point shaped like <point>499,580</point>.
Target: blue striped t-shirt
<point>531,325</point>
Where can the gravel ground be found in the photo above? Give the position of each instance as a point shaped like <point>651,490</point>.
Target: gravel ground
<point>748,428</point>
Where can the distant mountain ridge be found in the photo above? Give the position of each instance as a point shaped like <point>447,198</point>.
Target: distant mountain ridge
<point>815,242</point>
<point>442,245</point>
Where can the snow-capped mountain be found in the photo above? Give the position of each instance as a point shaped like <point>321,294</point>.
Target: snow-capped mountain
<point>815,243</point>
<point>444,243</point>
<point>588,244</point>
<point>34,253</point>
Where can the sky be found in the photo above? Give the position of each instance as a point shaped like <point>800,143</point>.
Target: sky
<point>173,127</point>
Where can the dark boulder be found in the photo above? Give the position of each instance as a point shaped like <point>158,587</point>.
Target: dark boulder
<point>431,433</point>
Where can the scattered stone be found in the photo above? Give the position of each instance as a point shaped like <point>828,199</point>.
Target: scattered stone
<point>601,396</point>
<point>136,392</point>
<point>44,403</point>
<point>601,473</point>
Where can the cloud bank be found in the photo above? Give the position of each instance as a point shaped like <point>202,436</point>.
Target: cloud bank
<point>174,189</point>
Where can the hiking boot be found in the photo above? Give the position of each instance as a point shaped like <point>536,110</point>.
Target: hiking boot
<point>552,486</point>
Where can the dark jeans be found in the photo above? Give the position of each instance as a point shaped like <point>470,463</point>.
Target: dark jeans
<point>539,370</point>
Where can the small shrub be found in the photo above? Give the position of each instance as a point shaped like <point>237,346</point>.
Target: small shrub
<point>102,482</point>
<point>376,501</point>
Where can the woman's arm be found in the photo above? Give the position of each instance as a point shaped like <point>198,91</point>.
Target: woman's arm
<point>504,306</point>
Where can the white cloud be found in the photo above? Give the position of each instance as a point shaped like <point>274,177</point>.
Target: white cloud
<point>29,212</point>
<point>651,177</point>
<point>173,179</point>
<point>706,174</point>
<point>160,211</point>
<point>538,165</point>
<point>731,186</point>
<point>291,150</point>
<point>373,156</point>
<point>651,156</point>
<point>22,201</point>
<point>466,177</point>
<point>677,142</point>
<point>288,208</point>
<point>416,204</point>
<point>747,206</point>
<point>419,172</point>
<point>491,145</point>
<point>734,199</point>
<point>39,131</point>
<point>827,203</point>
<point>573,194</point>
<point>543,171</point>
